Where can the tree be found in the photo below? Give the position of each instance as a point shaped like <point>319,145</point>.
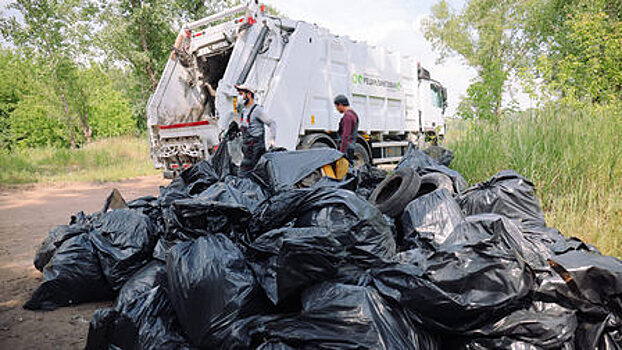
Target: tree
<point>488,35</point>
<point>53,32</point>
<point>579,56</point>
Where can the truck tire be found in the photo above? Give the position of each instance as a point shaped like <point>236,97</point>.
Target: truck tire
<point>435,181</point>
<point>361,157</point>
<point>396,191</point>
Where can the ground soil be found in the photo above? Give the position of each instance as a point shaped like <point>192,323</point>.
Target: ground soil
<point>27,213</point>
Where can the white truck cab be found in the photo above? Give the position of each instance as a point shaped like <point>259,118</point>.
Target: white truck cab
<point>296,68</point>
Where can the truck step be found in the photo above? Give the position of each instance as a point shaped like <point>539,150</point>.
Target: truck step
<point>389,144</point>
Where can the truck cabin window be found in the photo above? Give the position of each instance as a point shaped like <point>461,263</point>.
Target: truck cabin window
<point>436,96</point>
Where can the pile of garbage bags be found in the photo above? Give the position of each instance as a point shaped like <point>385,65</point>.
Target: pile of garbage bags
<point>265,262</point>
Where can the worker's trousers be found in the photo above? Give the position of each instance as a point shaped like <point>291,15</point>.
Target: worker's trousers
<point>253,148</point>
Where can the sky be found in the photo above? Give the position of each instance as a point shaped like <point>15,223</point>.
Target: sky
<point>393,24</point>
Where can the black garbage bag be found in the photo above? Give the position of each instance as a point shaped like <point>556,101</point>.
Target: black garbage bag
<point>73,276</point>
<point>592,278</point>
<point>199,177</point>
<point>541,326</point>
<point>460,184</point>
<point>274,346</point>
<point>440,154</point>
<point>288,260</point>
<point>602,333</point>
<point>560,244</point>
<point>200,216</point>
<point>79,223</point>
<point>415,159</point>
<point>142,318</point>
<point>336,316</point>
<point>227,158</point>
<point>280,170</point>
<point>150,206</point>
<point>507,234</point>
<point>428,220</point>
<point>353,221</point>
<point>368,178</point>
<point>210,287</point>
<point>472,278</point>
<point>238,190</point>
<point>506,193</point>
<point>124,241</point>
<point>225,206</point>
<point>56,237</point>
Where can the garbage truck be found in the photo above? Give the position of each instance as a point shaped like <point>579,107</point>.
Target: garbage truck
<point>296,69</point>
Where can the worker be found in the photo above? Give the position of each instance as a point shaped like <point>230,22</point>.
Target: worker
<point>253,119</point>
<point>348,127</point>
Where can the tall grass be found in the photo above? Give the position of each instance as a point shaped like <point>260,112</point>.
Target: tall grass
<point>573,155</point>
<point>104,160</point>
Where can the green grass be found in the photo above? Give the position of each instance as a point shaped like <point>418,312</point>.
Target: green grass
<point>573,155</point>
<point>103,160</point>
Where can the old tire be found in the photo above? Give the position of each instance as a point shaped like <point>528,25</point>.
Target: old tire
<point>396,191</point>
<point>435,181</point>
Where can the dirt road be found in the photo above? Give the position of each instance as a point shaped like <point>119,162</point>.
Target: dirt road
<point>26,216</point>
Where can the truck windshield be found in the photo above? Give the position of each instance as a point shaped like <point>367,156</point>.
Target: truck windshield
<point>436,96</point>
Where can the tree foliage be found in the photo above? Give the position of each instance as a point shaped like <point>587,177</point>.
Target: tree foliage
<point>74,70</point>
<point>560,49</point>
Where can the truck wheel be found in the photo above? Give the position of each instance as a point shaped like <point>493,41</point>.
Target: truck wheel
<point>435,181</point>
<point>361,157</point>
<point>320,144</point>
<point>396,191</point>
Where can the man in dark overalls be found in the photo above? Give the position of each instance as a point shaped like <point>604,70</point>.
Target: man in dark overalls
<point>253,119</point>
<point>348,127</point>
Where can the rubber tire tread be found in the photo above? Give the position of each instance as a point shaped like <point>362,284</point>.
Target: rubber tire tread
<point>438,180</point>
<point>360,149</point>
<point>394,205</point>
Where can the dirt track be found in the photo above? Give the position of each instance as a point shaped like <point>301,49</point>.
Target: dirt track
<point>26,216</point>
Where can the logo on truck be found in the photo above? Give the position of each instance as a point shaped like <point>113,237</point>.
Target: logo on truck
<point>370,81</point>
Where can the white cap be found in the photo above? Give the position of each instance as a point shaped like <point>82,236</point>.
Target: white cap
<point>244,87</point>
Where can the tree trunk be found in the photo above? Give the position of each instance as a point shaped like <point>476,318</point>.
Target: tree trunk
<point>68,118</point>
<point>87,130</point>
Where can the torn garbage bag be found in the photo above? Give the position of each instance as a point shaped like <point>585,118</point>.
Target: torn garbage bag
<point>210,287</point>
<point>464,284</point>
<point>353,221</point>
<point>142,318</point>
<point>280,170</point>
<point>288,260</point>
<point>506,193</point>
<point>124,241</point>
<point>337,316</point>
<point>73,276</point>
